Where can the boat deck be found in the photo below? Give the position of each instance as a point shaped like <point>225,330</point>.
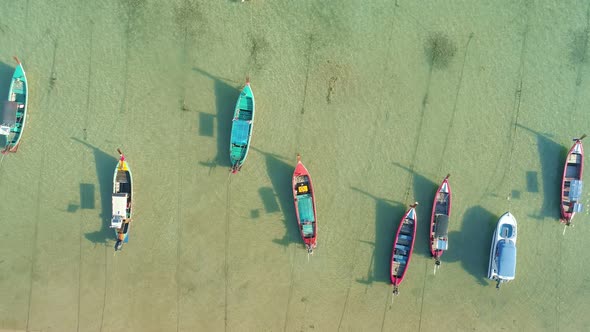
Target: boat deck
<point>574,158</point>
<point>506,231</point>
<point>442,203</point>
<point>397,269</point>
<point>240,132</point>
<point>245,115</point>
<point>303,187</point>
<point>572,171</point>
<point>122,182</point>
<point>246,104</point>
<point>122,176</point>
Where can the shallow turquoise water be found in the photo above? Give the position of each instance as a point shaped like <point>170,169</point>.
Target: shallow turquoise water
<point>350,85</point>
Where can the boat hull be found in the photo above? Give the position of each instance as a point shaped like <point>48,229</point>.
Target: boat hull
<point>441,207</point>
<point>242,125</point>
<point>403,246</point>
<point>571,181</point>
<point>18,100</point>
<point>305,206</point>
<point>502,263</point>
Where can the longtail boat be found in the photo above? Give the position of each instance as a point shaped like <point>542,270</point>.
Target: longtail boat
<point>241,129</point>
<point>403,245</point>
<point>305,207</point>
<point>122,201</point>
<point>439,221</point>
<point>571,183</point>
<point>13,114</point>
<point>502,265</point>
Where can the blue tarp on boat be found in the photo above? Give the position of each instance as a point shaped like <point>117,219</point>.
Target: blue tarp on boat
<point>575,190</point>
<point>305,205</point>
<point>240,132</point>
<point>400,258</point>
<point>442,244</point>
<point>506,259</point>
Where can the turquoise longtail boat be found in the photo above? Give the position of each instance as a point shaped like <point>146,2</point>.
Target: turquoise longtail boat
<point>241,129</point>
<point>14,111</point>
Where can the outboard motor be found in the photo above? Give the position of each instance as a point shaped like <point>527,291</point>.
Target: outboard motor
<point>118,245</point>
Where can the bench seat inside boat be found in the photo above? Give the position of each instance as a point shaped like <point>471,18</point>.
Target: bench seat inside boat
<point>246,104</point>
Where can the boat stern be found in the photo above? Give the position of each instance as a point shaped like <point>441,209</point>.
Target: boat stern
<point>503,261</point>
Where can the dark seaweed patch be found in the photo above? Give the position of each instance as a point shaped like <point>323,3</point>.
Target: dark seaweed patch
<point>439,50</point>
<point>188,17</point>
<point>259,48</point>
<point>331,87</point>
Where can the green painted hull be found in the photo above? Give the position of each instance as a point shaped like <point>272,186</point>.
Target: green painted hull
<point>242,125</point>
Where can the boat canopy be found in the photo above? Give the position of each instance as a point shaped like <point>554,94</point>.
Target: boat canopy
<point>120,205</point>
<point>506,259</point>
<point>240,132</point>
<point>305,206</point>
<point>575,190</point>
<point>442,225</point>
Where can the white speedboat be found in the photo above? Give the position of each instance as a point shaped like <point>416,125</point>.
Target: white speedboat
<point>502,266</point>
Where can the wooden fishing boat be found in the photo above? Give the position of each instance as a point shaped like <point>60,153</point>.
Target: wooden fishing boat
<point>13,114</point>
<point>502,265</point>
<point>439,220</point>
<point>122,201</point>
<point>241,129</point>
<point>403,245</point>
<point>305,207</point>
<point>571,182</point>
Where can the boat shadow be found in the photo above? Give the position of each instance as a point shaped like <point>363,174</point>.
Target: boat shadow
<point>280,196</point>
<point>551,171</point>
<point>225,101</point>
<point>471,245</point>
<point>424,191</point>
<point>6,72</point>
<point>105,165</point>
<point>387,215</point>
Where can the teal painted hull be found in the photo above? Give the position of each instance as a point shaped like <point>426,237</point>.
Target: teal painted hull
<point>15,110</point>
<point>242,125</point>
